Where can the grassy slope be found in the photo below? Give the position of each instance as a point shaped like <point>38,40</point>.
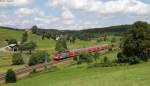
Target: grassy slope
<point>5,57</point>
<point>42,44</point>
<point>48,45</point>
<point>6,34</point>
<point>137,75</point>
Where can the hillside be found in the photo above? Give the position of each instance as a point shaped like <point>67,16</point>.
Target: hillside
<point>46,44</point>
<point>80,75</point>
<point>85,73</point>
<point>119,28</point>
<point>85,34</point>
<point>6,33</point>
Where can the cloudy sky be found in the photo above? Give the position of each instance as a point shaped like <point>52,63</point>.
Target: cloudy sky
<point>72,14</point>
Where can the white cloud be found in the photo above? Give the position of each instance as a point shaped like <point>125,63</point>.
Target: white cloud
<point>46,19</point>
<point>112,6</point>
<point>21,2</point>
<point>15,2</point>
<point>67,16</point>
<point>24,11</point>
<point>73,14</point>
<point>35,16</point>
<point>123,6</point>
<point>26,18</point>
<point>21,12</point>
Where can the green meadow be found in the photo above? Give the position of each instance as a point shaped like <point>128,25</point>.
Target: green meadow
<point>73,74</point>
<point>46,45</point>
<point>81,75</point>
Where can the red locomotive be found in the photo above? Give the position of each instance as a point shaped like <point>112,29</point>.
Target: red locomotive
<point>71,53</point>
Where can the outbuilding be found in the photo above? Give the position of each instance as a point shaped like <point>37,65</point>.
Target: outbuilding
<point>12,47</point>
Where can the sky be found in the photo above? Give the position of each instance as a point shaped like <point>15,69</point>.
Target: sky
<point>72,14</point>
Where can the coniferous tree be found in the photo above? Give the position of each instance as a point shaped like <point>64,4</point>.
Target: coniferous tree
<point>61,45</point>
<point>10,76</point>
<point>34,29</point>
<point>24,37</point>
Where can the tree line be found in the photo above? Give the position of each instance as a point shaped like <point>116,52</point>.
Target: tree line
<point>87,34</point>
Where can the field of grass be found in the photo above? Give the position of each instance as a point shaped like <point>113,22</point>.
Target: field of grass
<point>49,78</point>
<point>6,63</point>
<point>74,75</point>
<point>7,34</point>
<point>81,75</point>
<point>46,44</point>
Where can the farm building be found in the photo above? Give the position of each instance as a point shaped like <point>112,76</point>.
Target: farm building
<point>12,47</point>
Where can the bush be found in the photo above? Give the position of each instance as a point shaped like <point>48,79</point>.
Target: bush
<point>61,45</point>
<point>11,41</point>
<point>85,57</point>
<point>106,62</point>
<point>27,46</point>
<point>122,58</point>
<point>113,40</point>
<point>134,60</point>
<point>37,58</point>
<point>136,40</point>
<point>10,76</point>
<point>76,58</point>
<point>144,56</point>
<point>17,59</point>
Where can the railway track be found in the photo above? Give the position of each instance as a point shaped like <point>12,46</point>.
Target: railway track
<point>23,72</point>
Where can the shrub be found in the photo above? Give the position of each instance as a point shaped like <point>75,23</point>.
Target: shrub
<point>125,59</point>
<point>136,40</point>
<point>61,45</point>
<point>85,57</point>
<point>106,62</point>
<point>27,46</point>
<point>17,59</point>
<point>134,60</point>
<point>24,37</point>
<point>37,58</point>
<point>122,58</point>
<point>96,56</point>
<point>34,70</point>
<point>110,49</point>
<point>113,40</point>
<point>11,41</point>
<point>10,76</point>
<point>76,58</point>
<point>144,56</point>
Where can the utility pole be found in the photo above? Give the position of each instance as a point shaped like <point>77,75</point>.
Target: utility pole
<point>46,58</point>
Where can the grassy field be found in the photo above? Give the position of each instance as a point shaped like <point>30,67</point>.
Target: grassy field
<point>47,45</point>
<point>80,75</point>
<point>6,34</point>
<point>6,63</point>
<point>75,75</point>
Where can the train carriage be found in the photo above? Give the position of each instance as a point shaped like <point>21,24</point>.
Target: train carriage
<point>71,53</point>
